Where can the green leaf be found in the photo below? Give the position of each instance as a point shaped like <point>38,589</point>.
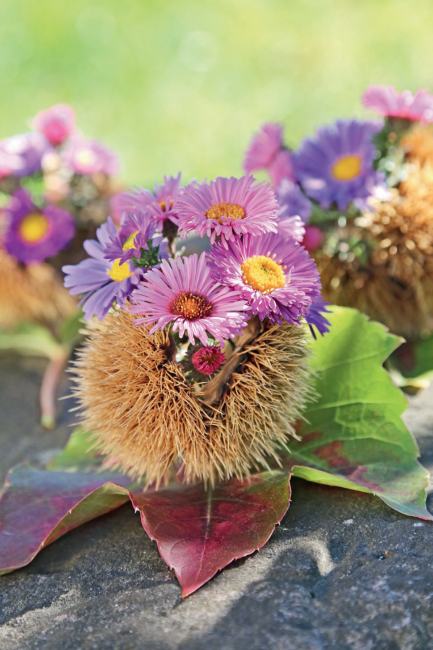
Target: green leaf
<point>354,436</point>
<point>69,330</point>
<point>79,454</point>
<point>32,339</point>
<point>412,363</point>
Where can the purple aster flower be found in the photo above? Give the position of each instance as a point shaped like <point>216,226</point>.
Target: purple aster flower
<point>137,239</point>
<point>57,123</point>
<point>87,157</point>
<point>227,207</point>
<point>337,164</point>
<point>315,317</point>
<point>31,234</point>
<point>388,102</point>
<point>184,293</point>
<point>161,204</point>
<point>292,201</point>
<point>266,151</point>
<point>275,275</point>
<point>294,211</point>
<point>25,152</point>
<point>101,281</point>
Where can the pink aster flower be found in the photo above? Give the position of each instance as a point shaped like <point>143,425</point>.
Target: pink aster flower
<point>267,151</point>
<point>183,293</point>
<point>281,168</point>
<point>7,163</point>
<point>275,275</point>
<point>227,207</point>
<point>313,238</point>
<point>292,227</point>
<point>116,210</point>
<point>160,204</point>
<point>57,123</point>
<point>208,359</point>
<point>386,101</point>
<point>31,234</point>
<point>87,157</point>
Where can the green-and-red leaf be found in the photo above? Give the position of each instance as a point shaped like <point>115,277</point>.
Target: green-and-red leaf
<point>354,436</point>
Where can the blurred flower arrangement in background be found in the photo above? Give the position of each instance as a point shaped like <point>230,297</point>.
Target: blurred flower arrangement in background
<point>55,189</point>
<point>360,194</point>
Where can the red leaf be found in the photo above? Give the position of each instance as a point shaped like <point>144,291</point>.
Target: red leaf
<point>38,507</point>
<point>199,532</point>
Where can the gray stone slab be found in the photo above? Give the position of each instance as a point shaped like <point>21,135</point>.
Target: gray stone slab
<point>342,571</point>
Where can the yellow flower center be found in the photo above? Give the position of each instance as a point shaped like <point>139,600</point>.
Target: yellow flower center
<point>346,168</point>
<point>86,157</point>
<point>119,272</point>
<point>191,306</point>
<point>163,205</point>
<point>129,243</point>
<point>34,227</point>
<point>263,273</point>
<point>225,210</point>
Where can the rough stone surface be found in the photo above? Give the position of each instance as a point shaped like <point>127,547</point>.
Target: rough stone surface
<point>343,571</point>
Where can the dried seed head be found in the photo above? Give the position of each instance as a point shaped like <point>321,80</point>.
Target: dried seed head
<point>395,284</point>
<point>32,293</point>
<point>418,144</point>
<point>147,417</point>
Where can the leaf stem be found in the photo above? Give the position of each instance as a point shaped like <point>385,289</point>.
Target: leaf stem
<point>47,394</point>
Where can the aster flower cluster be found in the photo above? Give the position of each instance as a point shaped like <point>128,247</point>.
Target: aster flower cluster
<point>354,192</point>
<point>56,187</point>
<point>253,268</point>
<point>53,182</point>
<point>199,363</point>
<point>334,170</point>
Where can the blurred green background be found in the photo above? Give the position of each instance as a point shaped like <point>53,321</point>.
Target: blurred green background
<point>183,85</point>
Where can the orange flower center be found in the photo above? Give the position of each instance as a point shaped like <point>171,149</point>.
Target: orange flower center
<point>346,168</point>
<point>119,272</point>
<point>225,211</point>
<point>263,273</point>
<point>34,227</point>
<point>191,306</point>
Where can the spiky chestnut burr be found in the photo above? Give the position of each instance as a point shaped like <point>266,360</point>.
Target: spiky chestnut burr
<point>148,419</point>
